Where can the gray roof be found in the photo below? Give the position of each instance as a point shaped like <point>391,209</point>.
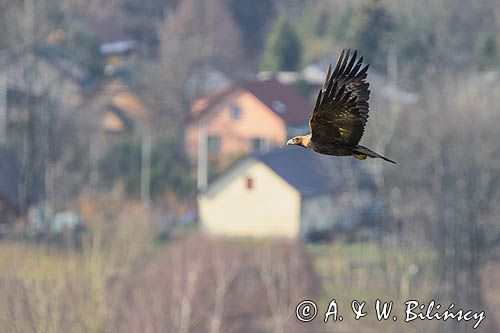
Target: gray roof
<point>312,174</point>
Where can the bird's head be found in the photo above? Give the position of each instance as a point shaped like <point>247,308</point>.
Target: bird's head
<point>301,140</point>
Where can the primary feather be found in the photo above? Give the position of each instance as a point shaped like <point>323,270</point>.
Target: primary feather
<point>341,109</point>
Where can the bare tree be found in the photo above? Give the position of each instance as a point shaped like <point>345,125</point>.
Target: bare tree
<point>196,34</point>
<point>449,186</point>
<point>284,274</point>
<point>225,272</point>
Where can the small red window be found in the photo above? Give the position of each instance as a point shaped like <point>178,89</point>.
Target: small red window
<point>249,183</point>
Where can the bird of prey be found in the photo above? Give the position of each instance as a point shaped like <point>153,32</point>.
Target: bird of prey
<point>341,111</point>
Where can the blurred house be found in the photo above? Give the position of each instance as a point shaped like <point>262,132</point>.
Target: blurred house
<point>38,82</point>
<point>289,192</point>
<point>45,70</point>
<point>111,112</point>
<point>114,108</point>
<point>313,74</point>
<point>51,72</point>
<point>118,48</point>
<point>285,77</point>
<point>206,80</point>
<point>247,117</point>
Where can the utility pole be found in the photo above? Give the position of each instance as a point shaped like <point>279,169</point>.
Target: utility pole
<point>146,167</point>
<point>202,156</point>
<point>29,140</point>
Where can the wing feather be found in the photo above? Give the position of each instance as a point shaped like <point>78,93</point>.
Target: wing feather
<point>341,109</point>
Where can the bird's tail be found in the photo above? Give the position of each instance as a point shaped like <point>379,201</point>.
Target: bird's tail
<point>361,153</point>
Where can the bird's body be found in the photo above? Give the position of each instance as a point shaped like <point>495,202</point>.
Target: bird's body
<point>341,112</point>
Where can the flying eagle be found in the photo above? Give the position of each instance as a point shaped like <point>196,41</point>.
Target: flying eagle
<point>341,111</point>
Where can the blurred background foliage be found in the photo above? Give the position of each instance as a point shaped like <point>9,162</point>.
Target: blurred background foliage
<point>283,50</point>
<point>168,169</point>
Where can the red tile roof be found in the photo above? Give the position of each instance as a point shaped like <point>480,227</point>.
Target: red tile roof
<point>284,100</point>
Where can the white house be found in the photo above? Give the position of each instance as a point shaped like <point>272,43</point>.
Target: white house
<point>289,192</point>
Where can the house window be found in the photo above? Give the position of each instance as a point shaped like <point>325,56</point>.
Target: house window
<point>249,183</point>
<point>260,145</point>
<point>235,112</point>
<point>213,144</point>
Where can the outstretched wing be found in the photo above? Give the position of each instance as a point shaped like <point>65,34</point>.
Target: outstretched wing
<point>341,110</point>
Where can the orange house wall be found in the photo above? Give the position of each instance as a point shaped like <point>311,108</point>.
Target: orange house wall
<point>257,120</point>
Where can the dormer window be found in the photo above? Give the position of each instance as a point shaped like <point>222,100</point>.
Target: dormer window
<point>235,112</point>
<point>278,106</point>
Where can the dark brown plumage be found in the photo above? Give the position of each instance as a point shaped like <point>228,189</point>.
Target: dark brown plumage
<point>341,111</point>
